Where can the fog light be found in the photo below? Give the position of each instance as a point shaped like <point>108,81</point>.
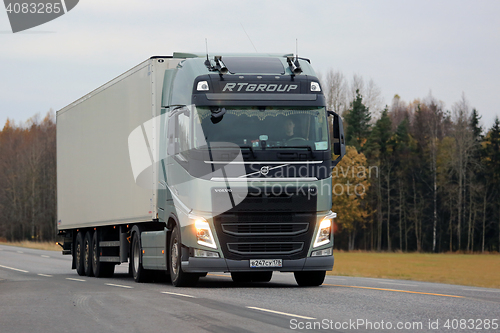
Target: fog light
<point>205,254</point>
<point>321,253</point>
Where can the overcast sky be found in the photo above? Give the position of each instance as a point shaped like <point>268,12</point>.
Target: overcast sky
<point>409,48</point>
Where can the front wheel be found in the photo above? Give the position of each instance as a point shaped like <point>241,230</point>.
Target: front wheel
<point>138,272</point>
<point>310,278</point>
<point>177,275</point>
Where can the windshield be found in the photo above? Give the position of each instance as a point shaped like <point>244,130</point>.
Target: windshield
<point>263,128</point>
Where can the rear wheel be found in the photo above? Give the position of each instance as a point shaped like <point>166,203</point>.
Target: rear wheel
<point>101,269</point>
<point>310,278</point>
<point>87,254</point>
<point>79,254</point>
<point>177,275</point>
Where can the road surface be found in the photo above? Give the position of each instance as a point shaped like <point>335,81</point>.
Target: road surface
<point>40,293</point>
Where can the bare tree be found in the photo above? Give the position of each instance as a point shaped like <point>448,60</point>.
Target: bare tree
<point>464,142</point>
<point>335,90</point>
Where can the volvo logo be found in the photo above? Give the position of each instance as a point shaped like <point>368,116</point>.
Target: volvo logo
<point>264,170</point>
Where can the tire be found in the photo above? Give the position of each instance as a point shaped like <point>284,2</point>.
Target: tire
<point>177,275</point>
<point>87,254</point>
<point>79,254</point>
<point>138,272</point>
<point>310,278</point>
<point>101,269</point>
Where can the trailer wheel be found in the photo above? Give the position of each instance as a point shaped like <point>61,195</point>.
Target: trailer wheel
<point>87,254</point>
<point>79,254</point>
<point>100,269</point>
<point>138,272</point>
<point>310,278</point>
<point>179,278</point>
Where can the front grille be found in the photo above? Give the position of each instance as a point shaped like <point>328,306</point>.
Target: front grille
<point>265,248</point>
<point>267,229</point>
<point>266,225</point>
<point>264,235</point>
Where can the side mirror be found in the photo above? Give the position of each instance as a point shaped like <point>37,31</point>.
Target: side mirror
<point>337,136</point>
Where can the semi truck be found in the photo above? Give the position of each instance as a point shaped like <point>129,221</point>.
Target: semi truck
<point>190,163</point>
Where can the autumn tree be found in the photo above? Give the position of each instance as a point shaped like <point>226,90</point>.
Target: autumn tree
<point>350,184</point>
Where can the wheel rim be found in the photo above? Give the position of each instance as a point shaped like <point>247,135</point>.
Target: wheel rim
<point>86,255</point>
<point>174,257</point>
<point>136,257</point>
<point>94,254</point>
<point>78,251</point>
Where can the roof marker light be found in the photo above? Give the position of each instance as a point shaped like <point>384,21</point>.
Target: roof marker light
<point>202,86</point>
<point>315,87</point>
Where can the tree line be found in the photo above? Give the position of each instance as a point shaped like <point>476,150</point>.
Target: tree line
<point>416,176</point>
<point>437,185</point>
<point>28,179</point>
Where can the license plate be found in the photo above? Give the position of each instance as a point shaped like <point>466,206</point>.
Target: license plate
<point>254,263</point>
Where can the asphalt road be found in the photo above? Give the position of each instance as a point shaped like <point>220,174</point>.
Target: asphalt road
<point>40,293</point>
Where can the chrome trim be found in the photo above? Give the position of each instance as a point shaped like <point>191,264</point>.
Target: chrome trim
<point>238,179</point>
<point>260,171</point>
<point>264,162</point>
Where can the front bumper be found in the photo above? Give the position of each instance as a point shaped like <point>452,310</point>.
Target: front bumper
<point>202,265</point>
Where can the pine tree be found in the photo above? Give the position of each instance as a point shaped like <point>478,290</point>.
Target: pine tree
<point>493,165</point>
<point>380,148</point>
<point>358,123</point>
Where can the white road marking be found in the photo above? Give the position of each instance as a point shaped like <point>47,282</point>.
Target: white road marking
<point>44,256</point>
<point>488,291</point>
<point>76,279</point>
<point>118,285</point>
<point>400,284</point>
<point>281,313</point>
<point>19,251</point>
<point>45,275</point>
<point>177,294</point>
<point>14,269</point>
<point>334,277</point>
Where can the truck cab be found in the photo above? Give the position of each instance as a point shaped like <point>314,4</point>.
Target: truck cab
<point>247,174</point>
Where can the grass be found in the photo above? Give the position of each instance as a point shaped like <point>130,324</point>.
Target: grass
<point>49,246</point>
<point>480,270</point>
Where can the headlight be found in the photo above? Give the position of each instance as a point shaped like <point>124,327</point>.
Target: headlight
<point>203,232</point>
<point>324,231</point>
